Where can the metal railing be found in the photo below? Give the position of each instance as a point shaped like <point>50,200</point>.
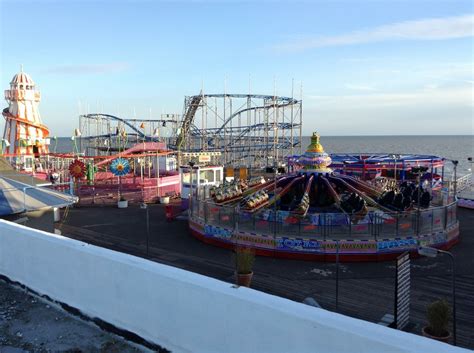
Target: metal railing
<point>375,225</point>
<point>462,183</point>
<point>26,199</point>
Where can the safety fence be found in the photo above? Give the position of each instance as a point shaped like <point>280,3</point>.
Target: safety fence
<point>132,189</point>
<point>374,225</point>
<point>447,192</point>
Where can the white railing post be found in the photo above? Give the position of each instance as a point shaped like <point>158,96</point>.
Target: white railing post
<point>24,199</point>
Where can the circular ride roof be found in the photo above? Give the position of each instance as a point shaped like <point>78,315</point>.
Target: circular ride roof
<point>360,159</point>
<point>375,158</point>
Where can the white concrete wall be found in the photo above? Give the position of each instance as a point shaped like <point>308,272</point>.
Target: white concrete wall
<point>183,311</point>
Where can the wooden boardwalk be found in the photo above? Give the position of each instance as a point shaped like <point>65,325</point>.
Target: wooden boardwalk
<point>366,290</point>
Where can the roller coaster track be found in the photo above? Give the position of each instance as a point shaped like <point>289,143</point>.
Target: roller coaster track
<point>187,127</point>
<point>250,109</point>
<point>244,130</point>
<point>124,121</point>
<point>188,120</point>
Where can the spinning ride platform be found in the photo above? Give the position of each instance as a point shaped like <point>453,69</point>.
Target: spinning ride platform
<point>315,212</point>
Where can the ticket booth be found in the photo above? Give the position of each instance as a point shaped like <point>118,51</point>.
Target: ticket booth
<point>201,177</point>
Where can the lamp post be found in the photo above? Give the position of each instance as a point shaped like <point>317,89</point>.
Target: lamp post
<point>433,252</point>
<point>191,164</point>
<point>395,158</point>
<point>77,134</point>
<point>469,159</point>
<point>455,163</point>
<point>156,133</point>
<point>55,138</point>
<point>418,171</point>
<point>274,196</point>
<point>145,207</point>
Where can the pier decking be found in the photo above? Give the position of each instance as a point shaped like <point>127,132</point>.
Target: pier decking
<point>366,290</point>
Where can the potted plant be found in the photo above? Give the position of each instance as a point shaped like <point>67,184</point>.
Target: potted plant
<point>244,258</point>
<point>122,202</point>
<point>438,314</point>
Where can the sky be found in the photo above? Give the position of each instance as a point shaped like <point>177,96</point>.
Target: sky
<point>363,67</point>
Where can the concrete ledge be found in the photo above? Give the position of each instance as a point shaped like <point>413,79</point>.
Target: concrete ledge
<point>184,311</point>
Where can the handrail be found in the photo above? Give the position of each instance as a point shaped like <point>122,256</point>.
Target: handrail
<point>434,219</point>
<point>461,182</point>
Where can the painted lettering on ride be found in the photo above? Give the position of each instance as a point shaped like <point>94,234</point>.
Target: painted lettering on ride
<point>398,243</point>
<point>216,232</point>
<point>288,243</point>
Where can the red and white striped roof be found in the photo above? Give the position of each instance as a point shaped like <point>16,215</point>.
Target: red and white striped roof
<point>22,78</point>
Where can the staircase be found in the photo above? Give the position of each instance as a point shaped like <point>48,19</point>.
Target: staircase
<point>188,120</point>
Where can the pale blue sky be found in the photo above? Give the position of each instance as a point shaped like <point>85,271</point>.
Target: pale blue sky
<point>367,67</point>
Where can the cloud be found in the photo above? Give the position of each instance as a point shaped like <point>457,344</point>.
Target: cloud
<point>425,29</point>
<point>89,68</point>
<point>448,72</point>
<point>442,110</point>
<point>359,87</point>
<point>428,96</point>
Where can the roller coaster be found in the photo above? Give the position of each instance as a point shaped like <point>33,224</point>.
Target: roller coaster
<point>248,129</point>
<point>101,134</point>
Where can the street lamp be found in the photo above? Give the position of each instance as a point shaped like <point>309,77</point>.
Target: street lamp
<point>455,163</point>
<point>419,172</point>
<point>395,157</point>
<point>76,134</point>
<point>144,206</point>
<point>191,164</point>
<point>432,252</point>
<point>275,175</point>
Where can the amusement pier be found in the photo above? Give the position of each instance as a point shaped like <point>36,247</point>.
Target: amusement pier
<point>228,195</point>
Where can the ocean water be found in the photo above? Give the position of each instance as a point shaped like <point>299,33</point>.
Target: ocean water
<point>452,147</point>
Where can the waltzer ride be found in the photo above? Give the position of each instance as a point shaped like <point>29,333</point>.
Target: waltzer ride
<point>315,213</point>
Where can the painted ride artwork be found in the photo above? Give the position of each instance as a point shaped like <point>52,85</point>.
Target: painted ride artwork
<point>315,210</point>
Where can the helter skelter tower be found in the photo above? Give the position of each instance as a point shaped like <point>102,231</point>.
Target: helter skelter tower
<point>24,135</point>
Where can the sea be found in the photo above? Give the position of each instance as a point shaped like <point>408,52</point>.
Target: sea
<point>450,147</point>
